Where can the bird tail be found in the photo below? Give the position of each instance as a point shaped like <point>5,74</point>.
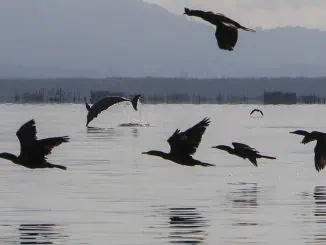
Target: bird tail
<point>87,106</point>
<point>204,164</point>
<point>134,101</point>
<point>247,29</point>
<point>267,157</point>
<point>57,166</point>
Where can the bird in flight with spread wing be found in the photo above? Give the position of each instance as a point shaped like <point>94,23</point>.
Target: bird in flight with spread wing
<point>226,32</point>
<point>244,151</point>
<point>34,152</point>
<point>183,145</point>
<point>257,110</point>
<point>320,148</point>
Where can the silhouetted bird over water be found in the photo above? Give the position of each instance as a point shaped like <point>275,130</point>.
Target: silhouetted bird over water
<point>226,29</point>
<point>105,103</point>
<point>320,148</point>
<point>184,144</point>
<point>256,110</point>
<point>33,152</point>
<point>244,151</point>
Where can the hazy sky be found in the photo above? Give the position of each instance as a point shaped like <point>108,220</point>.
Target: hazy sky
<point>263,13</point>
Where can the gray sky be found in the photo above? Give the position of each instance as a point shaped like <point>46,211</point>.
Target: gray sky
<point>260,13</point>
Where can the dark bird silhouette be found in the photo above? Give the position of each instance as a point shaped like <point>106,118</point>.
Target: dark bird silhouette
<point>244,151</point>
<point>320,148</point>
<point>256,110</point>
<point>226,29</point>
<point>105,103</point>
<point>184,144</point>
<point>33,152</point>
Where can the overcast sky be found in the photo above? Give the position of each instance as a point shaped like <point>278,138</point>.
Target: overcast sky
<point>260,13</point>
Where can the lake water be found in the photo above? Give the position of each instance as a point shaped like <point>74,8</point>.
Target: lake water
<point>112,194</point>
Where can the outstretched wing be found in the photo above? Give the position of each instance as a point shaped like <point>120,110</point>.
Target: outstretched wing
<point>314,135</point>
<point>208,16</point>
<point>46,145</point>
<point>187,142</point>
<point>320,161</point>
<point>27,133</point>
<point>226,36</point>
<point>102,105</point>
<point>227,20</point>
<point>256,110</point>
<point>237,145</point>
<point>253,160</point>
<point>308,138</point>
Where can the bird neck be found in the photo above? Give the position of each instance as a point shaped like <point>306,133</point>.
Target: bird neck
<point>9,156</point>
<point>229,149</point>
<point>159,154</point>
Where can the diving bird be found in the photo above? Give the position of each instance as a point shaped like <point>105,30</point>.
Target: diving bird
<point>184,144</point>
<point>256,110</point>
<point>226,32</point>
<point>105,103</point>
<point>33,152</point>
<point>244,151</point>
<point>320,148</point>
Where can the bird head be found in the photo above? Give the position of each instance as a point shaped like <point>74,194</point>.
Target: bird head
<point>300,132</point>
<point>155,153</point>
<point>223,148</point>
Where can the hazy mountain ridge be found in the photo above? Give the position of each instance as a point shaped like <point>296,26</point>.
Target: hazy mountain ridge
<point>136,39</point>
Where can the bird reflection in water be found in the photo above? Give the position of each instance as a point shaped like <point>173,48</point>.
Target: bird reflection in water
<point>243,201</point>
<point>40,234</point>
<point>320,214</point>
<point>103,133</point>
<point>134,124</point>
<point>246,196</point>
<point>135,132</point>
<point>320,202</point>
<point>187,226</point>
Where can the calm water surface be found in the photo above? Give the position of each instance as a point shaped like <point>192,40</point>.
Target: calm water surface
<point>112,194</point>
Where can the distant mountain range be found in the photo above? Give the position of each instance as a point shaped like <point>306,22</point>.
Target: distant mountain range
<point>130,38</point>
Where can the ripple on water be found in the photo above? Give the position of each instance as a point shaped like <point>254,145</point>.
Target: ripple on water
<point>183,225</point>
<point>35,234</point>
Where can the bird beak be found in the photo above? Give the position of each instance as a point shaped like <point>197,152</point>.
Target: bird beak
<point>214,147</point>
<point>292,132</point>
<point>144,152</point>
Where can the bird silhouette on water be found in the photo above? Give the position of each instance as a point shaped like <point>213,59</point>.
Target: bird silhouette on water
<point>33,152</point>
<point>184,144</point>
<point>244,151</point>
<point>320,148</point>
<point>256,110</point>
<point>226,29</point>
<point>105,103</point>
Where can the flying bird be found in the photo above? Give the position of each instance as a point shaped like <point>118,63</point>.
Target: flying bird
<point>244,151</point>
<point>183,145</point>
<point>105,103</point>
<point>34,152</point>
<point>226,29</point>
<point>320,148</point>
<point>256,110</point>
